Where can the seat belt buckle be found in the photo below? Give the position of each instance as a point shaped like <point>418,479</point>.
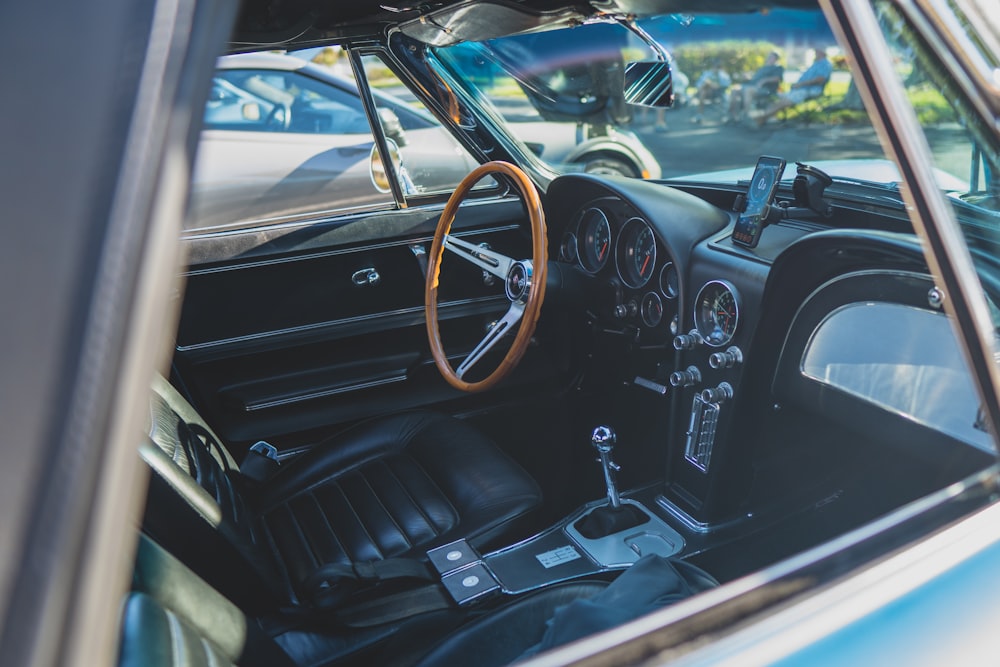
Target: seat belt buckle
<point>265,449</point>
<point>260,462</point>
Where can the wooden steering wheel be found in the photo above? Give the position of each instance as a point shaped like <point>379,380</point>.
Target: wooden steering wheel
<point>524,280</point>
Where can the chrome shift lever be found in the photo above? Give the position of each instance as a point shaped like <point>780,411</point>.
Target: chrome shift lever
<point>603,440</point>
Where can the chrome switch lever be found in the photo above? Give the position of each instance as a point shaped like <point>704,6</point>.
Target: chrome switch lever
<point>603,440</point>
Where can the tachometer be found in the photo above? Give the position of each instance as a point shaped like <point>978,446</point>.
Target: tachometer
<point>594,240</point>
<point>636,254</point>
<point>717,312</point>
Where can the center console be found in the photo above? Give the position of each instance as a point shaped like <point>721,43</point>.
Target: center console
<point>604,535</point>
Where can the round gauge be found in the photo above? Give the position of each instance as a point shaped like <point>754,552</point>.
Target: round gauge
<point>651,309</point>
<point>669,283</point>
<point>594,240</point>
<point>636,255</point>
<point>716,312</point>
<point>567,249</point>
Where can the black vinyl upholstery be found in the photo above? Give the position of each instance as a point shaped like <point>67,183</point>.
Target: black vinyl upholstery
<point>562,613</point>
<point>391,487</point>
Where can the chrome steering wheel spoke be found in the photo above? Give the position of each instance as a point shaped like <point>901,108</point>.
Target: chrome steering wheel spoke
<point>486,259</point>
<point>503,326</point>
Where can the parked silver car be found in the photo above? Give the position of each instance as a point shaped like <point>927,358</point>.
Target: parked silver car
<point>284,136</point>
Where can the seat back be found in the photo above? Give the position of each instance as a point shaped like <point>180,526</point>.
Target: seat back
<point>198,506</point>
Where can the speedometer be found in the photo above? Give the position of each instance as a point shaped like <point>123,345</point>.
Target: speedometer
<point>593,240</point>
<point>717,312</point>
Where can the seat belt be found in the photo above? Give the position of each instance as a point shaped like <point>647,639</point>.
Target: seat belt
<point>396,607</point>
<point>332,583</point>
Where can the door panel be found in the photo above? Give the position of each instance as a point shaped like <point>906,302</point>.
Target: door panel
<point>282,342</point>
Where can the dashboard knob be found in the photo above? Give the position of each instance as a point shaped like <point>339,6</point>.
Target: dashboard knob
<point>688,341</point>
<point>685,378</point>
<point>621,310</point>
<point>717,394</point>
<point>731,357</point>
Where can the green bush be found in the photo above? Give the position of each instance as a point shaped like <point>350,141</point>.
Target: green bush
<point>738,58</point>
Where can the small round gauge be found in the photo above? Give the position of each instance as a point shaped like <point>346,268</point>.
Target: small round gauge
<point>651,309</point>
<point>636,254</point>
<point>567,249</point>
<point>594,240</point>
<point>717,312</point>
<point>669,283</point>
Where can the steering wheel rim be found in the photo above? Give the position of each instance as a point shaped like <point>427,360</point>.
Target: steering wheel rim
<point>524,280</point>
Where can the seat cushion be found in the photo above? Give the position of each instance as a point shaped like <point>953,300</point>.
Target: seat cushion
<point>392,487</point>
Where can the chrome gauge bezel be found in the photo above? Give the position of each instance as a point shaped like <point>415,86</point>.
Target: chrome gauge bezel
<point>706,313</point>
<point>568,247</point>
<point>585,235</point>
<point>651,318</point>
<point>627,253</point>
<point>664,281</point>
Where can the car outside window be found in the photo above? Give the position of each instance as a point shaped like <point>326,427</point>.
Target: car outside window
<point>287,140</point>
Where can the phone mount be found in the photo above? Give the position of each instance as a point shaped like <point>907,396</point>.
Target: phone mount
<point>808,188</point>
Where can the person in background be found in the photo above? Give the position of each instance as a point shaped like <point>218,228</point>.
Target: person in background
<point>763,84</point>
<point>810,85</point>
<point>712,86</point>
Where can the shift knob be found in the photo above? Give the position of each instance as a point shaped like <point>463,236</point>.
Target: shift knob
<point>603,439</point>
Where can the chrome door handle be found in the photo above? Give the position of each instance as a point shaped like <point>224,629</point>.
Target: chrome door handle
<point>366,278</point>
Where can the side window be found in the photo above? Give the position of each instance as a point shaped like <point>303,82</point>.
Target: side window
<point>429,159</point>
<point>286,139</point>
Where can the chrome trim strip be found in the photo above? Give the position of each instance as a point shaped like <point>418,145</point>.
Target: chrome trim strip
<point>965,59</point>
<point>821,614</point>
<point>263,405</point>
<point>346,251</point>
<point>208,345</point>
<point>855,25</point>
<point>686,519</point>
<point>274,224</point>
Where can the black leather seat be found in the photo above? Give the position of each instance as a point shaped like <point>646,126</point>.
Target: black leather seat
<point>172,617</point>
<point>389,488</point>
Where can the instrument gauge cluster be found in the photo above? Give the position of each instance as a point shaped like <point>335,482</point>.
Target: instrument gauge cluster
<point>607,240</point>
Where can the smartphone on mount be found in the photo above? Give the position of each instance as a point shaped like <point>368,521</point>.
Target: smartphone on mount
<point>763,185</point>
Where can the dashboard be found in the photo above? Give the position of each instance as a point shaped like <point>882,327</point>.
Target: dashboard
<point>610,241</point>
<point>660,267</point>
<point>757,363</point>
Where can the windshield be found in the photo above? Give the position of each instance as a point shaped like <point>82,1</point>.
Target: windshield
<point>745,85</point>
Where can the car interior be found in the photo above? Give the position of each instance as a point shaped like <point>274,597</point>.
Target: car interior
<point>494,421</point>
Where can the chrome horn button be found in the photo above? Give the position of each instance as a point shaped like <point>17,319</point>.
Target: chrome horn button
<point>518,281</point>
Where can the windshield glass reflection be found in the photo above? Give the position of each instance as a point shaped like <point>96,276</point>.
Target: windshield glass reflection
<point>745,85</point>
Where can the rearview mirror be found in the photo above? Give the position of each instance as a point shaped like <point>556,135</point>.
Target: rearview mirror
<point>649,83</point>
